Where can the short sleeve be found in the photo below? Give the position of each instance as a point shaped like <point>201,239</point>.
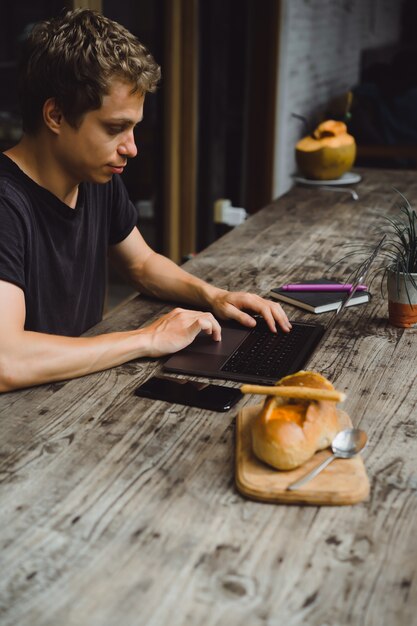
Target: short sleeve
<point>12,245</point>
<point>123,213</point>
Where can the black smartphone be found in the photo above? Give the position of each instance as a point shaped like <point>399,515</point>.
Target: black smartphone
<point>190,393</point>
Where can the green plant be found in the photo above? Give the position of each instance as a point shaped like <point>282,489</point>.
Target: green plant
<point>400,246</point>
<point>398,251</point>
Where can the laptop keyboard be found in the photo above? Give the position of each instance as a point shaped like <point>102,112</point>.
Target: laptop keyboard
<point>267,355</point>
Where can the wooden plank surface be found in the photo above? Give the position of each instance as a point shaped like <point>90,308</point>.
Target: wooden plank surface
<point>343,482</point>
<point>119,510</point>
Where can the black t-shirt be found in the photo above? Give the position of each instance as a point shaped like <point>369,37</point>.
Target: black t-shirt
<point>56,254</point>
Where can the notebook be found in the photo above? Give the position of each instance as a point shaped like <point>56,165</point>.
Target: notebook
<point>318,301</point>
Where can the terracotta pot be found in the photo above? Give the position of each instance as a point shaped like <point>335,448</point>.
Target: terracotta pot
<point>400,312</point>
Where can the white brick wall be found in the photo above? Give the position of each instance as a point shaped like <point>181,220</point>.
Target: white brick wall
<point>320,47</point>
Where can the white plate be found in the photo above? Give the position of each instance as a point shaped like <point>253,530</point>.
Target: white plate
<point>349,178</point>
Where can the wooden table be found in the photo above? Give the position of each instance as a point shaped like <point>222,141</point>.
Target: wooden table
<point>120,511</point>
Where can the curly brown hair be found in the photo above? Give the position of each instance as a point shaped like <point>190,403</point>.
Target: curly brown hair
<point>73,58</point>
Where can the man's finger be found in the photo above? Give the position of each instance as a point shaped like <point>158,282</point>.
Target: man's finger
<point>281,317</point>
<point>239,316</point>
<point>208,324</point>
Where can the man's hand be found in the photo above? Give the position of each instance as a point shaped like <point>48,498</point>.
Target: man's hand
<point>177,329</point>
<point>232,304</point>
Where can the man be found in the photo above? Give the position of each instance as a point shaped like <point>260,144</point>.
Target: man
<point>63,208</point>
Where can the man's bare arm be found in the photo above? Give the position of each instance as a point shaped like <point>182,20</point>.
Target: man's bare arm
<point>30,358</point>
<point>155,275</point>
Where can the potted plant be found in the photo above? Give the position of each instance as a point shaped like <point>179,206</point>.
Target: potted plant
<point>398,253</point>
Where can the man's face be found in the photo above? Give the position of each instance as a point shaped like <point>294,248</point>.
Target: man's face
<point>104,140</point>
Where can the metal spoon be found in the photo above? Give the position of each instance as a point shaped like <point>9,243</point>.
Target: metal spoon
<point>345,445</point>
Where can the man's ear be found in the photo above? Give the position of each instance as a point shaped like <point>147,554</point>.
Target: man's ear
<point>52,115</point>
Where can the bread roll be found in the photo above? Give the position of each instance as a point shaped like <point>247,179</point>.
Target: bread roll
<point>287,432</point>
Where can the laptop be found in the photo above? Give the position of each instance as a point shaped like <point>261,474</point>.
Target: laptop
<point>257,355</point>
<point>248,355</point>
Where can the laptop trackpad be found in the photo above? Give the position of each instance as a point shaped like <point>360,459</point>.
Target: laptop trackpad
<point>231,339</point>
<point>195,363</point>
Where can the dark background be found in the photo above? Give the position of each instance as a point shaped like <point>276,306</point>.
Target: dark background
<point>236,84</point>
<point>233,35</point>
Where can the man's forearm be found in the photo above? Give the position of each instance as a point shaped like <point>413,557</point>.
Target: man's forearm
<point>29,358</point>
<point>162,278</point>
<point>34,358</point>
<point>156,275</point>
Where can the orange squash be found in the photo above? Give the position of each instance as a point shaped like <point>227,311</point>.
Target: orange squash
<point>326,154</point>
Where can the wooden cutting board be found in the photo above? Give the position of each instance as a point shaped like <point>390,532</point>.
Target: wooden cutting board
<point>344,481</point>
